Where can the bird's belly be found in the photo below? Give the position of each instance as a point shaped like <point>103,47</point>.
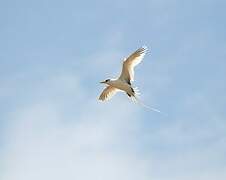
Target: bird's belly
<point>122,86</point>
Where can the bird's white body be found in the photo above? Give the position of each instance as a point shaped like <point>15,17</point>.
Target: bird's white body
<point>122,85</point>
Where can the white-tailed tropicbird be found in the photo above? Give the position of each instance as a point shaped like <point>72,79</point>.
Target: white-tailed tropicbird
<point>123,83</point>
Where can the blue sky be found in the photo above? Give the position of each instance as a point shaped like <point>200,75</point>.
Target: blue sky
<point>54,53</point>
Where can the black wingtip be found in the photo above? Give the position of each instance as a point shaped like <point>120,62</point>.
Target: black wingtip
<point>143,49</point>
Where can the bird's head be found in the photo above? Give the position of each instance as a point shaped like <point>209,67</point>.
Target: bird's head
<point>106,81</point>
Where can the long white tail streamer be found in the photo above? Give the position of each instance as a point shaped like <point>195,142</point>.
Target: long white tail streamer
<point>136,99</point>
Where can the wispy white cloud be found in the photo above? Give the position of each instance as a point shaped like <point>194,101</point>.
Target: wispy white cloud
<point>95,143</point>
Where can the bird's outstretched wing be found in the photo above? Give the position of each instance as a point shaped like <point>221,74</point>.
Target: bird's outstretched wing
<point>129,63</point>
<point>108,93</point>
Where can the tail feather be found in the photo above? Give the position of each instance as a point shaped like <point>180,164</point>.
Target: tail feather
<point>144,105</point>
<point>136,98</point>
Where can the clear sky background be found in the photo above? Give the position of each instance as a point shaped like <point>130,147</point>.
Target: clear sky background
<point>53,55</point>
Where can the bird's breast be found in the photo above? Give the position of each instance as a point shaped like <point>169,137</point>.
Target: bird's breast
<point>121,85</point>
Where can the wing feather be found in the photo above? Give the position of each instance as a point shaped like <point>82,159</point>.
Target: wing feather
<point>108,93</point>
<point>129,63</point>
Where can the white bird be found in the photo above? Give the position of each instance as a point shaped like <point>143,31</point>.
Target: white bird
<point>123,83</point>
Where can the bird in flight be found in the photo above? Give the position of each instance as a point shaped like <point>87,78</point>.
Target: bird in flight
<point>123,83</point>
